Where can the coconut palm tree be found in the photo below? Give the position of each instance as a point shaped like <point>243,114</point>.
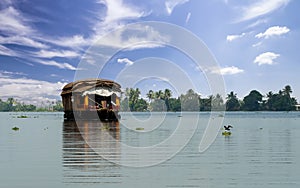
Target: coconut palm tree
<point>159,94</point>
<point>136,95</point>
<point>150,95</point>
<point>232,103</point>
<point>270,94</point>
<point>287,90</point>
<point>167,96</point>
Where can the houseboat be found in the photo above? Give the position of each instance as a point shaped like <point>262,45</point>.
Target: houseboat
<point>92,99</point>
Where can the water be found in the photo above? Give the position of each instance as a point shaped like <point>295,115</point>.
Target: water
<point>263,151</point>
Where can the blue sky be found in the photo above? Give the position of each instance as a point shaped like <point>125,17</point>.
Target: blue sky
<point>255,43</point>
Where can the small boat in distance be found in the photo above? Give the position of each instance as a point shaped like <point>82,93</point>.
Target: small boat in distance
<point>92,99</point>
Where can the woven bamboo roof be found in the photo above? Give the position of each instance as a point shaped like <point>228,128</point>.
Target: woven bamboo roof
<point>85,85</point>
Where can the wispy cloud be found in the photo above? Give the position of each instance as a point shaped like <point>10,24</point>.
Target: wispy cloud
<point>117,10</point>
<point>171,4</point>
<point>126,61</point>
<point>12,21</point>
<point>258,22</point>
<point>17,30</point>
<point>266,58</point>
<point>188,17</point>
<point>273,31</point>
<point>29,90</point>
<point>9,74</point>
<point>261,7</point>
<point>56,53</point>
<point>231,38</point>
<point>257,44</point>
<point>6,51</point>
<point>133,37</point>
<point>23,41</point>
<point>62,65</point>
<point>57,64</point>
<point>75,41</point>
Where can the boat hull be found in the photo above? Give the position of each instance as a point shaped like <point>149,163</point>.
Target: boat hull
<point>104,115</point>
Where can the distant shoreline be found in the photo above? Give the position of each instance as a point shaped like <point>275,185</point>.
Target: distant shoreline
<point>154,111</point>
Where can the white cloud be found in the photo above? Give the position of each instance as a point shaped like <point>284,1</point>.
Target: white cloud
<point>51,54</point>
<point>227,70</point>
<point>126,61</point>
<point>140,35</point>
<point>272,31</point>
<point>6,51</point>
<point>18,30</point>
<point>231,70</point>
<point>12,21</point>
<point>6,74</point>
<point>231,38</point>
<point>54,75</point>
<point>29,90</point>
<point>22,40</point>
<point>258,22</point>
<point>266,58</point>
<point>188,17</point>
<point>57,64</point>
<point>133,37</point>
<point>261,7</point>
<point>75,41</point>
<point>257,44</point>
<point>171,4</point>
<point>117,10</point>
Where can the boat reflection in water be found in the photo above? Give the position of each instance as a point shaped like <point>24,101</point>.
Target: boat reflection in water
<point>81,162</point>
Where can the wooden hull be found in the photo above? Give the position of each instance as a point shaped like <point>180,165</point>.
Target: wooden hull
<point>104,115</point>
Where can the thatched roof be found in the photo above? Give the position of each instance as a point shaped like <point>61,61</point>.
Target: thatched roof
<point>85,85</point>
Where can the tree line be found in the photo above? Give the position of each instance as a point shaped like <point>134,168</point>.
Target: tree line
<point>12,105</point>
<point>191,101</point>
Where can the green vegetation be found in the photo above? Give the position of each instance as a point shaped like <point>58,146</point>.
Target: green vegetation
<point>191,101</point>
<point>158,101</point>
<point>15,128</point>
<point>22,116</point>
<point>12,105</point>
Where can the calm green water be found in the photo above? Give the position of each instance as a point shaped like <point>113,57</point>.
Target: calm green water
<point>263,151</point>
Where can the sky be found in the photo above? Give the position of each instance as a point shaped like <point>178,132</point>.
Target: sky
<point>46,44</point>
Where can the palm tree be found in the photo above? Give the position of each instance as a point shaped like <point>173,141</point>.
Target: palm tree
<point>270,100</point>
<point>159,94</point>
<point>216,102</point>
<point>167,96</point>
<point>287,90</point>
<point>150,95</point>
<point>270,94</point>
<point>133,96</point>
<point>11,102</point>
<point>136,95</point>
<point>231,95</point>
<point>232,103</point>
<point>127,92</point>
